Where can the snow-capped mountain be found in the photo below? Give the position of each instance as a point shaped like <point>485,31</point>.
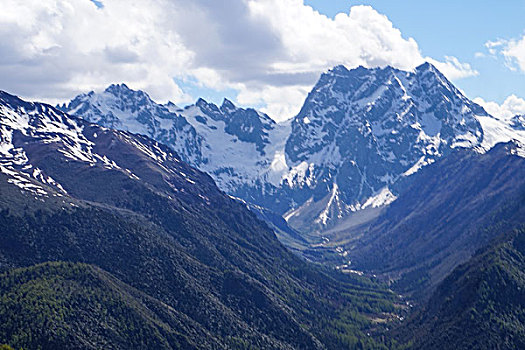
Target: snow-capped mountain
<point>23,120</point>
<point>358,132</point>
<point>44,152</point>
<point>232,144</point>
<point>120,108</point>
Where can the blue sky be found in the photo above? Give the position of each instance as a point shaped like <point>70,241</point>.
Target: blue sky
<point>457,28</point>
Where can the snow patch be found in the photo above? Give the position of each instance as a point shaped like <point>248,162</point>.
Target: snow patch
<point>496,131</point>
<point>383,198</point>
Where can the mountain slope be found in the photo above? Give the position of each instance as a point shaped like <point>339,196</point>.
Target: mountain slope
<point>358,132</point>
<point>481,305</point>
<point>65,305</point>
<point>77,192</point>
<point>440,219</point>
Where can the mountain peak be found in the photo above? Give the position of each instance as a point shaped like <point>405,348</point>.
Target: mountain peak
<point>428,67</point>
<point>208,108</point>
<point>123,92</point>
<point>172,107</point>
<point>117,88</point>
<point>228,106</point>
<point>201,102</point>
<point>339,70</point>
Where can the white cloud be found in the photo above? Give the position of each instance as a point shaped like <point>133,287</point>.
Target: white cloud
<point>453,69</point>
<point>512,50</point>
<point>513,105</point>
<point>54,49</point>
<point>492,46</point>
<point>479,55</point>
<point>271,51</point>
<point>313,41</point>
<point>280,101</point>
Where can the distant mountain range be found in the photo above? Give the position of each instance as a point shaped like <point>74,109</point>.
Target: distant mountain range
<point>358,133</point>
<point>346,166</point>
